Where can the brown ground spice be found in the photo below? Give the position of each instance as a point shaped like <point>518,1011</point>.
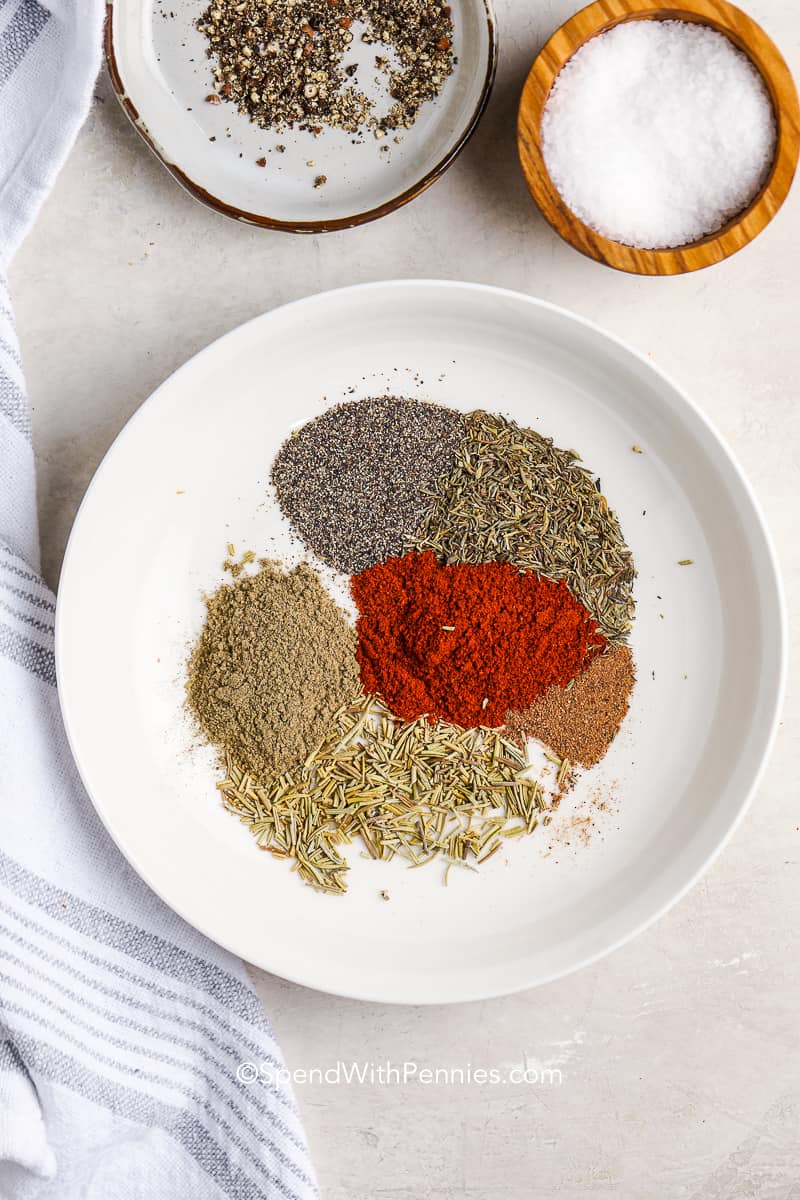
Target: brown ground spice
<point>580,722</point>
<point>274,662</point>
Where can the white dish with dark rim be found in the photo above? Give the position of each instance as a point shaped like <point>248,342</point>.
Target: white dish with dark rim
<point>156,58</point>
<point>188,475</point>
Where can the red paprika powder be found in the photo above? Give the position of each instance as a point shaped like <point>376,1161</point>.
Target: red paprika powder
<point>467,642</point>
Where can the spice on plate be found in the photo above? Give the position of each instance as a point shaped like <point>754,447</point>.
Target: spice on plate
<point>274,662</point>
<point>417,791</point>
<point>658,132</point>
<point>353,482</point>
<point>468,642</point>
<point>513,496</point>
<point>282,63</point>
<point>409,733</point>
<point>580,722</point>
<point>420,32</point>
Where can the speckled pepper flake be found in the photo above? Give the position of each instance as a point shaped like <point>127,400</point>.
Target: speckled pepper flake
<point>281,62</point>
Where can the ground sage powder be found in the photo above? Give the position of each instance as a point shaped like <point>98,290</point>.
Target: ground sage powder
<point>274,662</point>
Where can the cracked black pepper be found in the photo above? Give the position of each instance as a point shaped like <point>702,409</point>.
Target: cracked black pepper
<point>282,62</point>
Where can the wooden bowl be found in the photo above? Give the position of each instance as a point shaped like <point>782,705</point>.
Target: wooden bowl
<point>743,32</point>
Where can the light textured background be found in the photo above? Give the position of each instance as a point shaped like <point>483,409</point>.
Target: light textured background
<point>680,1060</point>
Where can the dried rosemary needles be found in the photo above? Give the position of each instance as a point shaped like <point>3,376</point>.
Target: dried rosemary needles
<point>410,789</point>
<point>515,497</point>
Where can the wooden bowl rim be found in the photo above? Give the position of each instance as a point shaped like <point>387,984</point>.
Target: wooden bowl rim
<point>602,15</point>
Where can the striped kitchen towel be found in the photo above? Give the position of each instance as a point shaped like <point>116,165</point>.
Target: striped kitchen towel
<point>121,1028</point>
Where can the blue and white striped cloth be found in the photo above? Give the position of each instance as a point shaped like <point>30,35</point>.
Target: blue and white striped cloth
<point>121,1029</point>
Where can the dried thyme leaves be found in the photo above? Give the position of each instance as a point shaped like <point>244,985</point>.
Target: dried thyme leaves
<point>274,662</point>
<point>353,482</point>
<point>416,791</point>
<point>515,497</point>
<point>281,62</point>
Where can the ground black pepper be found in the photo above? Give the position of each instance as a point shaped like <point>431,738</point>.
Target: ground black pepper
<point>353,481</point>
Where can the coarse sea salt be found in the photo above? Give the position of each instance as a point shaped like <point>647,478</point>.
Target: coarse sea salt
<point>658,132</point>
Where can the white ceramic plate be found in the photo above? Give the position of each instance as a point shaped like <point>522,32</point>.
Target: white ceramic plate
<point>189,474</point>
<point>156,58</point>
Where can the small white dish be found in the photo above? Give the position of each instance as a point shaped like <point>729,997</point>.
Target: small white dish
<point>161,75</point>
<point>189,474</point>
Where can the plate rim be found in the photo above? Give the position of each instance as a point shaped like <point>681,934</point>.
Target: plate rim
<point>209,200</point>
<point>373,994</point>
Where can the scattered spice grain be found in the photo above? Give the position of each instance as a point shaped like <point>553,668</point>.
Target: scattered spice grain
<point>353,482</point>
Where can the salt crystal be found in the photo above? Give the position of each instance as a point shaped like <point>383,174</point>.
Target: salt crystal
<point>658,132</point>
